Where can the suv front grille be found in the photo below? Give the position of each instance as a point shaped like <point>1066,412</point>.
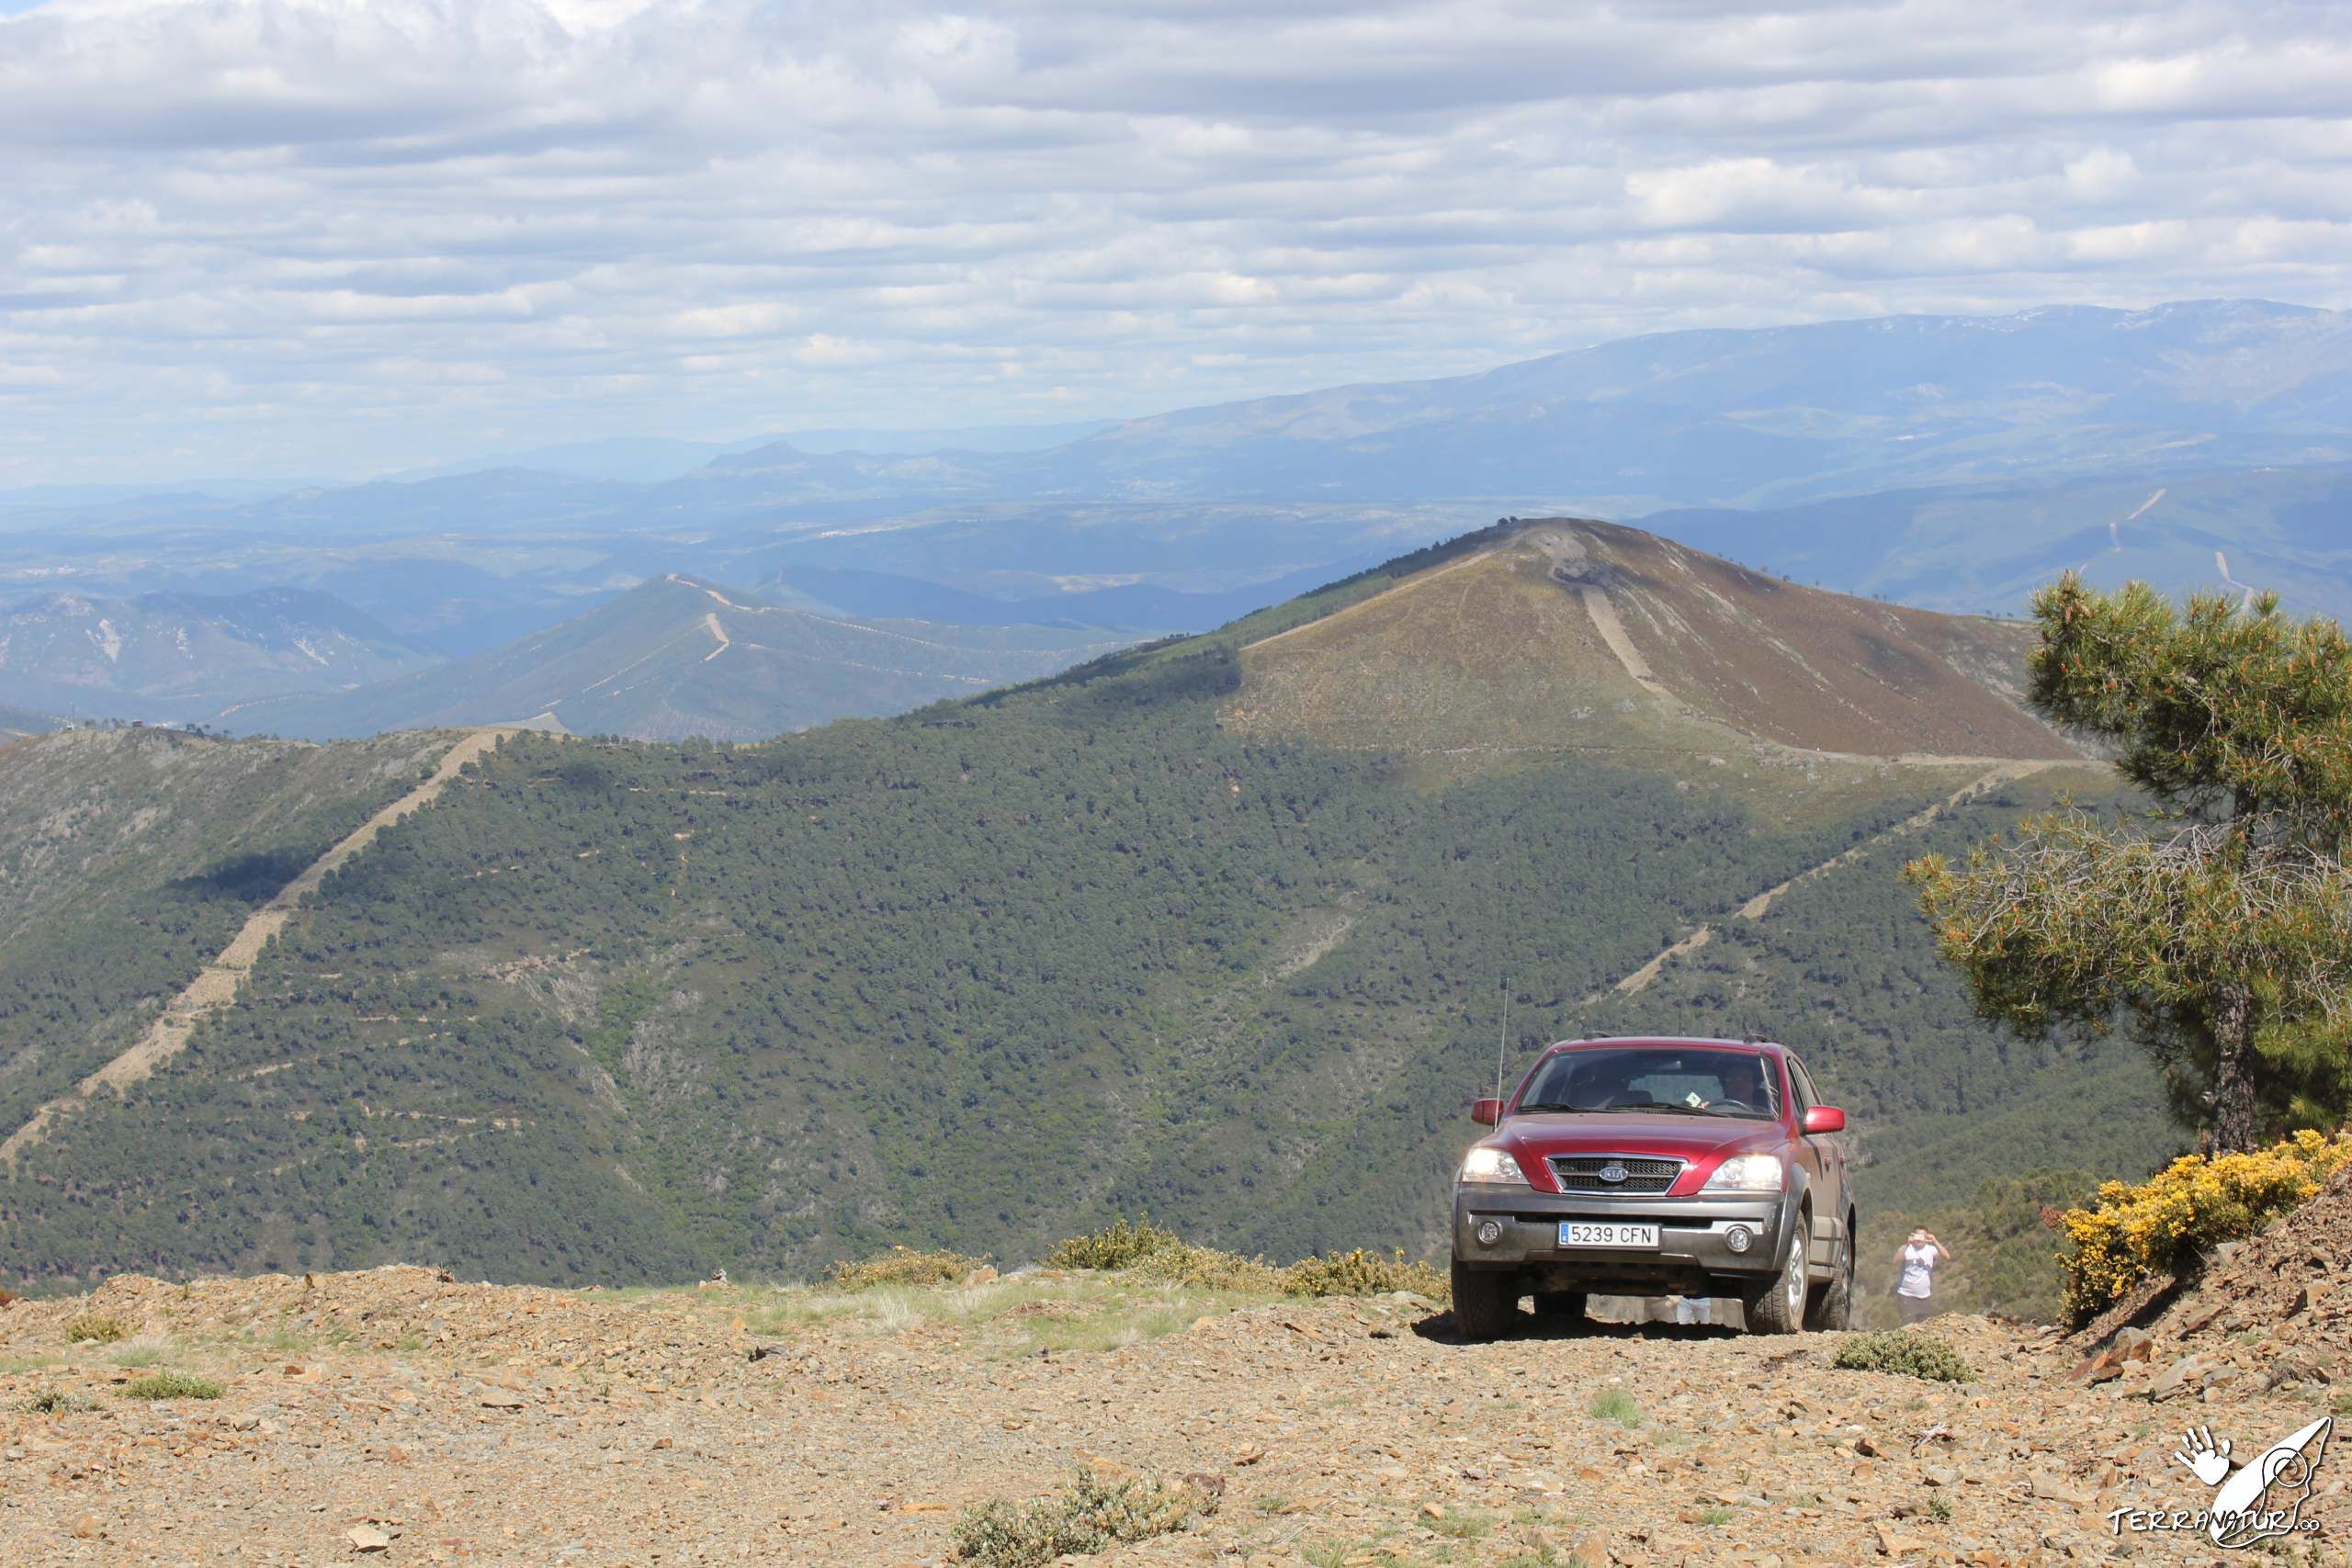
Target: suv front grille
<point>1581,1173</point>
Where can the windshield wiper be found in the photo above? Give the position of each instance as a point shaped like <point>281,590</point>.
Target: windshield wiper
<point>1534,1107</point>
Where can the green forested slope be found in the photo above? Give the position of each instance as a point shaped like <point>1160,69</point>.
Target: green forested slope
<point>978,977</point>
<point>128,858</point>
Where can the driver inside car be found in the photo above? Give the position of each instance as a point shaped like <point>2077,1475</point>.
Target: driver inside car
<point>1743,1084</point>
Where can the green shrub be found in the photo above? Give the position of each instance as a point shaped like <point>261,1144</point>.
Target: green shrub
<point>1091,1515</point>
<point>57,1402</point>
<point>174,1385</point>
<point>1119,1244</point>
<point>1153,1253</point>
<point>1900,1351</point>
<point>1614,1404</point>
<point>903,1266</point>
<point>1206,1269</point>
<point>96,1327</point>
<point>1358,1272</point>
<point>1156,1252</point>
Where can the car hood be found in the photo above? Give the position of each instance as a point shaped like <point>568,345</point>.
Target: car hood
<point>1701,1143</point>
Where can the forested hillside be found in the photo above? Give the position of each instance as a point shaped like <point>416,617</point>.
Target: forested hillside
<point>129,857</point>
<point>1133,939</point>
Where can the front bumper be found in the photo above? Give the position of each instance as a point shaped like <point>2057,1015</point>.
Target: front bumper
<point>1694,1255</point>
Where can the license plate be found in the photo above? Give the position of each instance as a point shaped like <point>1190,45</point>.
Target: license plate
<point>1601,1233</point>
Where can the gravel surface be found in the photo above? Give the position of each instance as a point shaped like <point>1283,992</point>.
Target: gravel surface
<point>399,1416</point>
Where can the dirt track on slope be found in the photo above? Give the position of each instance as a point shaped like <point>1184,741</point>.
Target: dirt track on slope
<point>216,984</point>
<point>1756,909</point>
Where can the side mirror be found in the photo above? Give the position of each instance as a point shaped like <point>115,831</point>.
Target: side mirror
<point>1825,1119</point>
<point>1486,1113</point>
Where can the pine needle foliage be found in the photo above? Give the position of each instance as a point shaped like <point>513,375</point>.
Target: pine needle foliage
<point>2219,923</point>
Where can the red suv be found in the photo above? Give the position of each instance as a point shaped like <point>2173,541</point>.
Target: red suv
<point>1656,1166</point>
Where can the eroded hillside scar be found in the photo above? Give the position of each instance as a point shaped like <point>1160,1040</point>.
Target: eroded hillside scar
<point>216,984</point>
<point>1756,909</point>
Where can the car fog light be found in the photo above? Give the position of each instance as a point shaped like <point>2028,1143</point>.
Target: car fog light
<point>1739,1238</point>
<point>1490,1233</point>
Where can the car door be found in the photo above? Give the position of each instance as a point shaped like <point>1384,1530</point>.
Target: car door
<point>1826,1160</point>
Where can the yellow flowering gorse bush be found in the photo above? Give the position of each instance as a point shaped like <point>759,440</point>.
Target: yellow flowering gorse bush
<point>2136,1230</point>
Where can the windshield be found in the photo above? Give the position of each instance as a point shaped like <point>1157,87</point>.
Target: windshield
<point>1673,1079</point>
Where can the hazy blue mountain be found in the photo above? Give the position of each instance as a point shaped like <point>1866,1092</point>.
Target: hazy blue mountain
<point>675,658</point>
<point>1747,417</point>
<point>1949,460</point>
<point>650,459</point>
<point>948,438</point>
<point>52,498</point>
<point>185,655</point>
<point>1988,547</point>
<point>627,459</point>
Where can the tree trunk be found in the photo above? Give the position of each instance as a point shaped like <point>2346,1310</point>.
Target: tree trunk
<point>2237,1122</point>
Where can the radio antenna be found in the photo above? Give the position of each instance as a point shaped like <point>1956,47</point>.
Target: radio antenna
<point>1502,1045</point>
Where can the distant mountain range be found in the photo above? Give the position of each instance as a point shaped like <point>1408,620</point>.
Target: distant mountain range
<point>180,655</point>
<point>1953,462</point>
<point>1988,546</point>
<point>675,658</point>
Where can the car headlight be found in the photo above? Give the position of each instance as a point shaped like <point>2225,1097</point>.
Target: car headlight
<point>1492,1166</point>
<point>1748,1173</point>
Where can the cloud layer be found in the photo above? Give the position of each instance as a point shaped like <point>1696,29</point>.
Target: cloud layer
<point>337,236</point>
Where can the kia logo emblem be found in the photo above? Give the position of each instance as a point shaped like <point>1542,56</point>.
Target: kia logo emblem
<point>1612,1173</point>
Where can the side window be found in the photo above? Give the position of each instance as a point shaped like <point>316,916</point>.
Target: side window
<point>1806,1097</point>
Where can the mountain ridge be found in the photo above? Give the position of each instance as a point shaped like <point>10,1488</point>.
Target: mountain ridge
<point>1623,639</point>
<point>167,655</point>
<point>677,656</point>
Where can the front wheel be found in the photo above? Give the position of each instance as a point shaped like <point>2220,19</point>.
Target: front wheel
<point>1778,1308</point>
<point>1483,1303</point>
<point>1832,1307</point>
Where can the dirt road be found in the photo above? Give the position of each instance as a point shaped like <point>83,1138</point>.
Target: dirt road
<point>474,1424</point>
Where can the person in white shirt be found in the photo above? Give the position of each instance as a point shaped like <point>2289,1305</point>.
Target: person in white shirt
<point>1917,1259</point>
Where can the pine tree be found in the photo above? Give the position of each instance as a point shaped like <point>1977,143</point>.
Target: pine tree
<point>2218,923</point>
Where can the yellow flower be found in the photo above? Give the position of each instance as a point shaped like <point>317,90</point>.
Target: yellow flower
<point>2191,1205</point>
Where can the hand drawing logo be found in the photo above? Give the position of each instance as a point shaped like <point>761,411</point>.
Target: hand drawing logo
<point>2260,1500</point>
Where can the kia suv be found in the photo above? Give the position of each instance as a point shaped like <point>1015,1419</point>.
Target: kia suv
<point>1656,1166</point>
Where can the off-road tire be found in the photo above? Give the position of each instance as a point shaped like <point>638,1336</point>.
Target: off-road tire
<point>1484,1303</point>
<point>1559,1306</point>
<point>1831,1308</point>
<point>1778,1307</point>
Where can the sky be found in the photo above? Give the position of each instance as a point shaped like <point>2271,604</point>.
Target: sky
<point>344,237</point>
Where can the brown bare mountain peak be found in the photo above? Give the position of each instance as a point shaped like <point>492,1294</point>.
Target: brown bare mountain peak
<point>1568,633</point>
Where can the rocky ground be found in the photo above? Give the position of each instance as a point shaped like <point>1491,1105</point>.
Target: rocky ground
<point>399,1416</point>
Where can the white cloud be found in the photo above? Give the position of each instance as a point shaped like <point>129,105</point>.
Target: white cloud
<point>328,233</point>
